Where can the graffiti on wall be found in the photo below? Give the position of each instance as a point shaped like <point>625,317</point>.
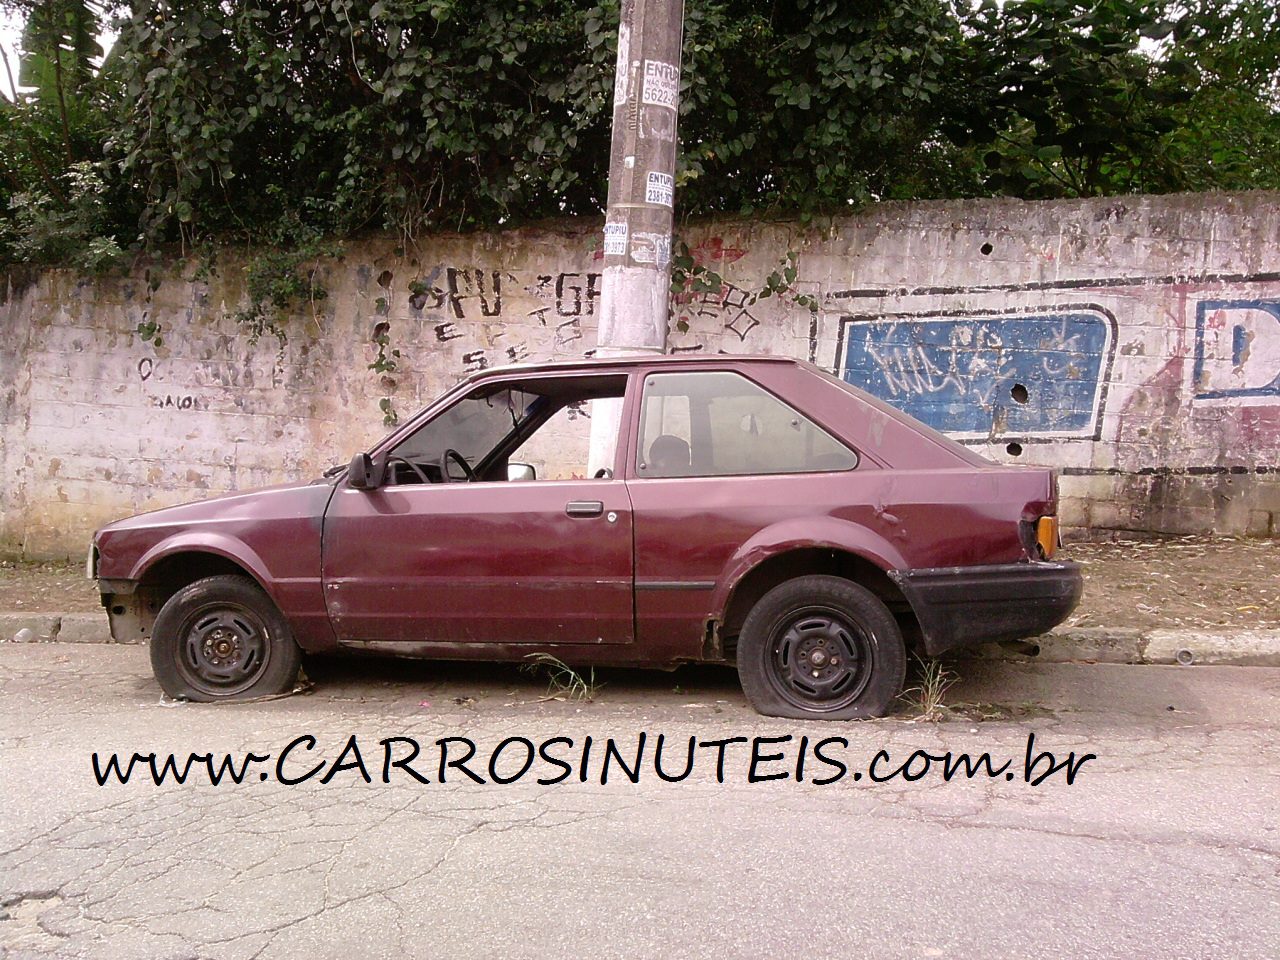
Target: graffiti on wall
<point>1036,375</point>
<point>1237,349</point>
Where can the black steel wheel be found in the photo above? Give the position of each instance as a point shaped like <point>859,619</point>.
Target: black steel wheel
<point>821,647</point>
<point>222,638</point>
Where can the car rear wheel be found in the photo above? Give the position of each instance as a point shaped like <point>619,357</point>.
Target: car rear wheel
<point>820,647</point>
<point>221,638</point>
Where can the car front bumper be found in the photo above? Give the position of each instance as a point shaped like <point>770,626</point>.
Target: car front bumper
<point>958,606</point>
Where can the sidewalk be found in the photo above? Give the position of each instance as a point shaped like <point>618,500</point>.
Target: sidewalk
<point>1187,599</point>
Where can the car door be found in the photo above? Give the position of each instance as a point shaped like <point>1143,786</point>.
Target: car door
<point>547,561</point>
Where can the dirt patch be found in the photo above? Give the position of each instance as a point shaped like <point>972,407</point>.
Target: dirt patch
<point>1191,582</point>
<point>54,587</point>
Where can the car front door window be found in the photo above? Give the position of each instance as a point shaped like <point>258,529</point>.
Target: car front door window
<point>454,444</point>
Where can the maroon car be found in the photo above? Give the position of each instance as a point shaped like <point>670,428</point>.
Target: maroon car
<point>647,511</point>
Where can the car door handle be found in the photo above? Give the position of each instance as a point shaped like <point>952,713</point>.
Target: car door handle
<point>584,508</point>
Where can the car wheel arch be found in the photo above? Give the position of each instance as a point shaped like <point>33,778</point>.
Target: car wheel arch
<point>173,564</point>
<point>172,570</point>
<point>778,568</point>
<point>161,573</point>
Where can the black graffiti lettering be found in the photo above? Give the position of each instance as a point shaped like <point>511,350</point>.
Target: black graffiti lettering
<point>568,332</point>
<point>612,754</point>
<point>688,763</point>
<point>758,758</point>
<point>496,279</point>
<point>464,284</point>
<point>354,762</point>
<point>576,310</point>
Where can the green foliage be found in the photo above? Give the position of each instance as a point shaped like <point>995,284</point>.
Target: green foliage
<point>282,275</point>
<point>1060,100</point>
<point>692,279</point>
<point>149,332</point>
<point>71,228</point>
<point>275,125</point>
<point>60,43</point>
<point>392,114</point>
<point>1228,137</point>
<point>385,362</point>
<point>60,202</point>
<point>812,105</point>
<point>1080,97</point>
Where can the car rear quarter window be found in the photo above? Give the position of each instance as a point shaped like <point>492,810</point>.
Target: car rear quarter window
<point>711,423</point>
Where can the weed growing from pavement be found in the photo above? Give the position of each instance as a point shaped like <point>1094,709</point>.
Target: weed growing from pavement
<point>562,680</point>
<point>925,699</point>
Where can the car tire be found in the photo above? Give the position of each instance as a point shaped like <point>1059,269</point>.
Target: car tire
<point>222,638</point>
<point>820,647</point>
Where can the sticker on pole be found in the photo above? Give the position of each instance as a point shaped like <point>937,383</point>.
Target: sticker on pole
<point>661,83</point>
<point>652,248</point>
<point>660,188</point>
<point>615,239</point>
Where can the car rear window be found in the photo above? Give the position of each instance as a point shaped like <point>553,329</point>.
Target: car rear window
<point>716,424</point>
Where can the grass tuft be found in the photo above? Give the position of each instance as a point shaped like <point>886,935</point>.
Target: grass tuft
<point>925,699</point>
<point>563,682</point>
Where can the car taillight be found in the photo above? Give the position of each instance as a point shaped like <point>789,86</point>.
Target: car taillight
<point>1047,536</point>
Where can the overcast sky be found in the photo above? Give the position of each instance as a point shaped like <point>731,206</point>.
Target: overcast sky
<point>10,32</point>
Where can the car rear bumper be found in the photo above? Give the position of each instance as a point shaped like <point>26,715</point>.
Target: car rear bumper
<point>957,606</point>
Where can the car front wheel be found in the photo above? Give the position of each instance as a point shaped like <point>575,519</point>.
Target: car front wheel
<point>222,638</point>
<point>820,647</point>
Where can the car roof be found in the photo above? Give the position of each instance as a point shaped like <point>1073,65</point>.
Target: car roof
<point>646,359</point>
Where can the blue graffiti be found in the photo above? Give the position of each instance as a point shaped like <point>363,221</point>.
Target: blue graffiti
<point>1237,349</point>
<point>986,376</point>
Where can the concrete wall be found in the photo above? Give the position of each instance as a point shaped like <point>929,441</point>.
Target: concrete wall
<point>1132,342</point>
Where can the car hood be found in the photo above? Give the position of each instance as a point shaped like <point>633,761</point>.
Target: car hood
<point>290,499</point>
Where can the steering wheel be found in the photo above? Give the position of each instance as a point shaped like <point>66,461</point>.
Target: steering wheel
<point>422,477</point>
<point>604,473</point>
<point>456,457</point>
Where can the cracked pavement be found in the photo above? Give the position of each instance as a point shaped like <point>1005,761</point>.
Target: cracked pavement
<point>1166,845</point>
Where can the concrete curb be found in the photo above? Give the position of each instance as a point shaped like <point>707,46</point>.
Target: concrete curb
<point>1064,645</point>
<point>1260,648</point>
<point>54,628</point>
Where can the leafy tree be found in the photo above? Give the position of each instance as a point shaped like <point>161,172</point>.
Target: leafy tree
<point>437,113</point>
<point>1228,136</point>
<point>55,196</point>
<point>812,105</point>
<point>362,113</point>
<point>1058,98</point>
<point>261,122</point>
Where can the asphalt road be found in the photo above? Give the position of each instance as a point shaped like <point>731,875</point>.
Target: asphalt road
<point>1166,843</point>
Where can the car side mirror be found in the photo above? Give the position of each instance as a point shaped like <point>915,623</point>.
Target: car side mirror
<point>360,472</point>
<point>521,472</point>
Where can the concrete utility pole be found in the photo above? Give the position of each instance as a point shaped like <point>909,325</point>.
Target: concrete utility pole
<point>642,167</point>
